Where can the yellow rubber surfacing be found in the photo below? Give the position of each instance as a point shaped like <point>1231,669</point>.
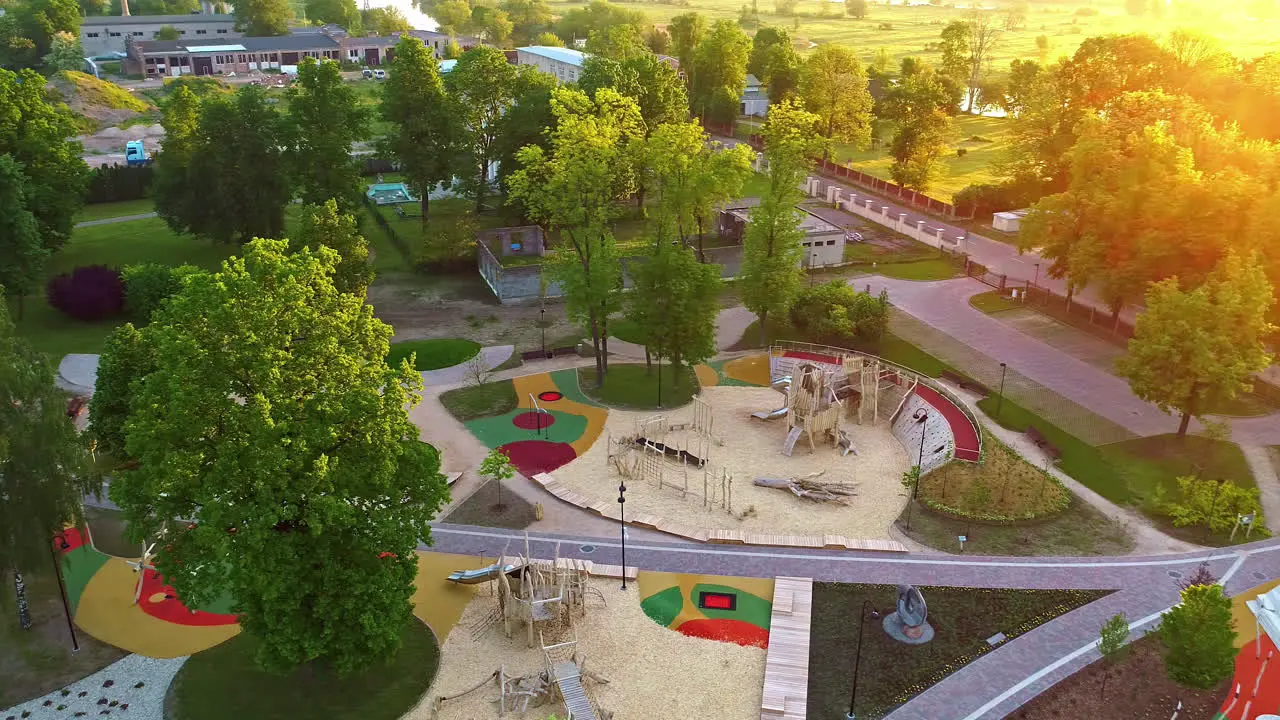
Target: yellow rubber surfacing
<point>752,369</point>
<point>542,382</point>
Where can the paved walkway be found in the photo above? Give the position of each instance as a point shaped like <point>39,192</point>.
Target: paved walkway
<point>110,221</point>
<point>1264,471</point>
<point>492,357</point>
<point>998,682</point>
<point>731,323</point>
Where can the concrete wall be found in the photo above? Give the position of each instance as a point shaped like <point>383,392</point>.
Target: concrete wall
<point>938,440</point>
<point>876,211</point>
<point>109,35</point>
<point>562,71</point>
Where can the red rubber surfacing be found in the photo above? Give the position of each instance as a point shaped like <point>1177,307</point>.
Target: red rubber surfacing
<point>171,609</point>
<point>73,537</point>
<point>538,456</point>
<point>962,430</point>
<point>1248,663</point>
<point>726,630</point>
<point>531,420</point>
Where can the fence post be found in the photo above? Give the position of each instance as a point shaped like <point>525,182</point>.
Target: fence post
<point>1003,279</point>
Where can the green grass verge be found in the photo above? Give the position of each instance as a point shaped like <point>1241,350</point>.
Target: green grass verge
<point>632,387</point>
<point>477,401</point>
<point>137,241</point>
<point>225,682</point>
<point>106,211</point>
<point>624,329</point>
<point>938,269</point>
<point>993,301</point>
<point>434,353</point>
<point>892,672</point>
<point>1079,530</point>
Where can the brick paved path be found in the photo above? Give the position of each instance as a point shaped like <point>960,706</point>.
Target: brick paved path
<point>989,687</point>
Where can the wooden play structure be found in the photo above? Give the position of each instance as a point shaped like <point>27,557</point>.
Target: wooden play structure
<point>667,454</point>
<point>814,406</point>
<point>546,596</point>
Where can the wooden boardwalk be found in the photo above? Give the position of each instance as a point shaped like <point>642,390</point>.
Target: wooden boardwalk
<point>786,667</point>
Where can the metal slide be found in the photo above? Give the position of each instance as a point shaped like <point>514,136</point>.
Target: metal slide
<point>483,575</point>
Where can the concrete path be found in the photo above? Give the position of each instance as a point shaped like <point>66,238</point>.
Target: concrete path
<point>110,221</point>
<point>492,357</point>
<point>945,305</point>
<point>1264,474</point>
<point>1001,680</point>
<point>731,323</point>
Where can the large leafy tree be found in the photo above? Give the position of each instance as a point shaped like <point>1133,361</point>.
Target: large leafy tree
<point>528,122</point>
<point>720,71</point>
<point>327,226</point>
<point>687,31</point>
<point>483,88</point>
<point>65,53</point>
<point>771,255</point>
<point>22,255</point>
<point>126,358</point>
<point>385,21</point>
<point>274,425</point>
<point>43,460</point>
<point>1197,347</point>
<point>833,85</point>
<point>652,83</point>
<point>339,12</point>
<point>263,18</point>
<point>775,62</point>
<point>919,104</point>
<point>528,18</point>
<point>180,117</point>
<point>1199,636</point>
<point>325,119</point>
<point>617,42</point>
<point>423,133</point>
<point>597,15</point>
<point>237,180</point>
<point>575,188</point>
<point>690,177</point>
<point>28,30</point>
<point>35,132</point>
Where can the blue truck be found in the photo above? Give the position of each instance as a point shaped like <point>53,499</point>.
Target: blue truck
<point>135,154</point>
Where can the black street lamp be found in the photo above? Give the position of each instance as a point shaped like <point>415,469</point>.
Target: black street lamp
<point>1000,399</point>
<point>921,416</point>
<point>857,658</point>
<point>542,323</point>
<point>622,528</point>
<point>62,589</point>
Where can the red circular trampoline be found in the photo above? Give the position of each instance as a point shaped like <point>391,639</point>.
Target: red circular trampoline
<point>533,420</point>
<point>549,396</point>
<point>538,456</point>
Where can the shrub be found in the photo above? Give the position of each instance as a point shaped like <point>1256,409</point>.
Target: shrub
<point>986,199</point>
<point>146,285</point>
<point>834,311</point>
<point>89,293</point>
<point>1199,638</point>
<point>1209,503</point>
<point>961,152</point>
<point>113,183</point>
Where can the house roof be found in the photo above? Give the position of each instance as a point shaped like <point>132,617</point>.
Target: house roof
<point>447,65</point>
<point>810,223</point>
<point>564,55</point>
<point>284,43</point>
<point>99,20</point>
<point>753,81</point>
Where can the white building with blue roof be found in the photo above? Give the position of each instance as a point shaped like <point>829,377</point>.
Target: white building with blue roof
<point>563,63</point>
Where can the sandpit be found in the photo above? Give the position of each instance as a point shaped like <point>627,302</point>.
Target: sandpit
<point>653,672</point>
<point>751,449</point>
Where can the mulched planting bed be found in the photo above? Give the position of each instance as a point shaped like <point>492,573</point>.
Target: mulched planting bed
<point>516,513</point>
<point>1136,689</point>
<point>892,672</point>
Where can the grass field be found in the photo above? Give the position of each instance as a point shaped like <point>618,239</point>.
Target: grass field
<point>435,353</point>
<point>225,682</point>
<point>1077,531</point>
<point>632,388</point>
<point>993,301</point>
<point>102,211</point>
<point>477,401</point>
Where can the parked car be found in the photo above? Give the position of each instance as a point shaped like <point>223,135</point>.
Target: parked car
<point>379,74</point>
<point>367,73</point>
<point>853,237</point>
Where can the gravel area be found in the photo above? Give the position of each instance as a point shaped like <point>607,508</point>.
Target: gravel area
<point>751,449</point>
<point>674,677</point>
<point>112,691</point>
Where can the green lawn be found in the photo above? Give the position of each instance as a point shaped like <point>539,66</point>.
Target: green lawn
<point>477,401</point>
<point>1130,472</point>
<point>923,270</point>
<point>632,388</point>
<point>103,211</point>
<point>624,329</point>
<point>1077,531</point>
<point>225,682</point>
<point>993,301</point>
<point>435,353</point>
<point>756,187</point>
<point>137,241</point>
<point>891,672</point>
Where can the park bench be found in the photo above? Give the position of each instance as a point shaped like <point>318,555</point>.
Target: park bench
<point>965,383</point>
<point>1043,443</point>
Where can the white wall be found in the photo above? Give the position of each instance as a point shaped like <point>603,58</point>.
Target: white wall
<point>938,440</point>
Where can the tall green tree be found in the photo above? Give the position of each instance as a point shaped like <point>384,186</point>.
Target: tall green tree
<point>483,88</point>
<point>65,53</point>
<point>339,12</point>
<point>385,20</point>
<point>720,72</point>
<point>238,179</point>
<point>597,15</point>
<point>313,457</point>
<point>575,188</point>
<point>126,358</point>
<point>325,119</point>
<point>22,255</point>
<point>775,62</point>
<point>423,133</point>
<point>833,85</point>
<point>529,19</point>
<point>687,31</point>
<point>919,104</point>
<point>168,32</point>
<point>673,301</point>
<point>28,30</point>
<point>263,18</point>
<point>528,122</point>
<point>44,468</point>
<point>180,117</point>
<point>35,131</point>
<point>1198,635</point>
<point>1194,348</point>
<point>954,45</point>
<point>771,252</point>
<point>618,42</point>
<point>327,226</point>
<point>653,84</point>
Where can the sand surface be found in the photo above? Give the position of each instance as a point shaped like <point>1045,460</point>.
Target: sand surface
<point>653,672</point>
<point>753,448</point>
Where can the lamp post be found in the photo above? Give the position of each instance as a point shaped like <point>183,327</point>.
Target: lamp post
<point>542,323</point>
<point>921,416</point>
<point>857,658</point>
<point>622,528</point>
<point>1000,399</point>
<point>62,590</point>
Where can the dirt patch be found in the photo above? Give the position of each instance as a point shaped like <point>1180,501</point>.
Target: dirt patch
<point>1136,689</point>
<point>481,508</point>
<point>98,103</point>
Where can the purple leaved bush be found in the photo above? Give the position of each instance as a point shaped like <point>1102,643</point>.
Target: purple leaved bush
<point>89,293</point>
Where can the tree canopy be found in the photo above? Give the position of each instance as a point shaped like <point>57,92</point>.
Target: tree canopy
<point>719,72</point>
<point>775,62</point>
<point>29,28</point>
<point>263,18</point>
<point>833,86</point>
<point>483,88</point>
<point>652,83</point>
<point>327,226</point>
<point>1198,635</point>
<point>273,423</point>
<point>325,119</point>
<point>424,131</point>
<point>673,300</point>
<point>22,255</point>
